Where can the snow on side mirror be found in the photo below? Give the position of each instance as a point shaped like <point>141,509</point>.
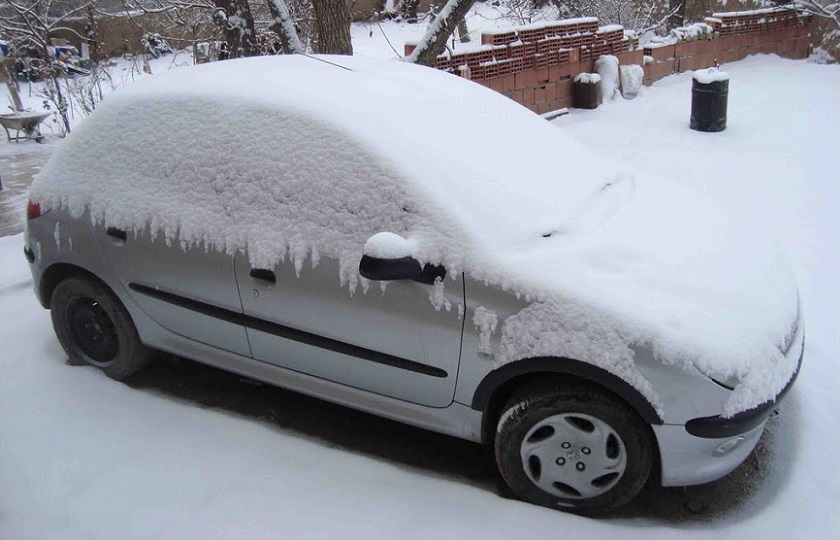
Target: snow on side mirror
<point>387,246</point>
<point>388,257</point>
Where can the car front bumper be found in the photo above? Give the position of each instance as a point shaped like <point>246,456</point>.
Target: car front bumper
<point>706,449</point>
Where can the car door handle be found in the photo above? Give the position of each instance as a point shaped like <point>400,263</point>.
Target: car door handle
<point>263,275</point>
<point>117,236</point>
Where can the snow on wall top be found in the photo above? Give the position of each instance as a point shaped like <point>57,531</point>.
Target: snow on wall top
<point>761,11</point>
<point>248,154</point>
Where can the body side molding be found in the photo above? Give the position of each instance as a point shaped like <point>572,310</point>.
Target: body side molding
<point>287,332</point>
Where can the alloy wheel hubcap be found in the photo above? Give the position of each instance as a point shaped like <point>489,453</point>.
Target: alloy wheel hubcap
<point>573,456</point>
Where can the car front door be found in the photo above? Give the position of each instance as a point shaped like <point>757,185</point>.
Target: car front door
<point>400,340</point>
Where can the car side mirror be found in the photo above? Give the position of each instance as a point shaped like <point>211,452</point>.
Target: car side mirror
<point>390,257</point>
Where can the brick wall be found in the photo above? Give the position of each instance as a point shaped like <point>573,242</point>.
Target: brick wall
<point>535,65</point>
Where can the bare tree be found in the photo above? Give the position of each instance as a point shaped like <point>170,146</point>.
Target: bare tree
<point>284,26</point>
<point>434,41</point>
<point>238,25</point>
<point>825,9</point>
<point>677,17</point>
<point>30,25</point>
<point>332,19</point>
<point>638,15</point>
<point>174,19</point>
<point>234,18</point>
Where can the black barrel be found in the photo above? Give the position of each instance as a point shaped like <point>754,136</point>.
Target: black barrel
<point>708,105</point>
<point>587,95</point>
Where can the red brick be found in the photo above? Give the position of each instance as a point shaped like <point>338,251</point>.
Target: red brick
<point>551,91</point>
<point>574,56</point>
<point>508,83</point>
<point>554,73</point>
<point>541,76</point>
<point>706,60</point>
<point>518,96</point>
<point>528,97</point>
<point>539,94</point>
<point>706,46</point>
<point>661,53</point>
<point>496,84</point>
<point>683,49</point>
<point>565,89</point>
<point>498,39</point>
<point>551,105</point>
<point>729,42</point>
<point>636,57</point>
<point>565,71</point>
<point>523,79</point>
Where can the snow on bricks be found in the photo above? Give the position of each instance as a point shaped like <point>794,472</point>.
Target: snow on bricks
<point>534,64</point>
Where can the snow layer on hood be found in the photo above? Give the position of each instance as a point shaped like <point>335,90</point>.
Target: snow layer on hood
<point>247,155</point>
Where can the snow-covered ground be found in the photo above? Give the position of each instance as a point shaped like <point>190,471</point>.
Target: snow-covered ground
<point>83,456</point>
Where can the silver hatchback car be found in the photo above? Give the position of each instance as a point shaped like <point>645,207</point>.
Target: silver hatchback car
<point>307,222</point>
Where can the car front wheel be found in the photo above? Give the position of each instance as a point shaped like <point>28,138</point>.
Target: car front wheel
<point>574,447</point>
<point>94,328</point>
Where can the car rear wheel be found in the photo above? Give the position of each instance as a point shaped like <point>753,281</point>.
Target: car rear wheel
<point>94,328</point>
<point>573,447</point>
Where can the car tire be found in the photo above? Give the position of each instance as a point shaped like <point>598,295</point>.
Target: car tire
<point>94,328</point>
<point>573,447</point>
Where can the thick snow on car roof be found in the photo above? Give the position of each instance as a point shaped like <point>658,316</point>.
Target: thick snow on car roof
<point>300,157</point>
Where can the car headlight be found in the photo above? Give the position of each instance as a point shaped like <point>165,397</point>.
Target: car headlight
<point>732,381</point>
<point>788,340</point>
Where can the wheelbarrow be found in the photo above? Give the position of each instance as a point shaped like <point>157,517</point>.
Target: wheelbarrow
<point>26,122</point>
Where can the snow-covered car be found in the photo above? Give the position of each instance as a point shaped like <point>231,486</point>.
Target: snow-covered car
<point>408,243</point>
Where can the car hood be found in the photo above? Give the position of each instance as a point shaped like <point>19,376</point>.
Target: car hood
<point>643,261</point>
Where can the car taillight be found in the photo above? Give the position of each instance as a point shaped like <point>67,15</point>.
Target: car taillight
<point>33,210</point>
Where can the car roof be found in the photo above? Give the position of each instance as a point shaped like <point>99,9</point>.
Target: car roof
<point>481,157</point>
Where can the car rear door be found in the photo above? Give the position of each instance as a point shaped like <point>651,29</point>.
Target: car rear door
<point>395,342</point>
<point>188,290</point>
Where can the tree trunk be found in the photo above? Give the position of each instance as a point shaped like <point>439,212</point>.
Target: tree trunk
<point>17,104</point>
<point>439,31</point>
<point>463,31</point>
<point>284,26</point>
<point>332,19</point>
<point>677,10</point>
<point>240,34</point>
<point>410,10</point>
